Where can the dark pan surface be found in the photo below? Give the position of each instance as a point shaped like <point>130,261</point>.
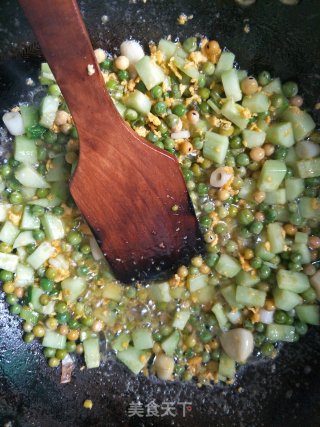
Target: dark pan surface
<point>281,392</point>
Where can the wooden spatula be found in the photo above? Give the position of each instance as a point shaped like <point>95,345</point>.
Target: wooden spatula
<point>126,188</point>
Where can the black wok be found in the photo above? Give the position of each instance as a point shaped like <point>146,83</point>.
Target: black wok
<point>281,392</point>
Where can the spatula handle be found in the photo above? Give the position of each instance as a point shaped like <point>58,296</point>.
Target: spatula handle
<point>65,43</point>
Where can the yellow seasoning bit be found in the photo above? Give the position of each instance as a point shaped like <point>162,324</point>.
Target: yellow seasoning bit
<point>175,208</point>
<point>88,404</point>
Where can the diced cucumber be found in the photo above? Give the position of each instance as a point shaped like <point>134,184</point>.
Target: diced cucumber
<point>53,226</point>
<point>28,193</point>
<point>73,287</point>
<point>113,290</point>
<point>242,74</point>
<point>121,342</point>
<point>247,278</point>
<point>227,366</point>
<point>291,158</point>
<point>181,53</point>
<point>120,107</point>
<point>252,138</point>
<point>29,315</point>
<point>25,150</point>
<point>286,300</point>
<point>273,87</point>
<point>302,122</point>
<point>24,238</point>
<point>307,149</point>
<point>272,175</point>
<point>292,281</point>
<point>197,282</point>
<point>91,352</point>
<point>58,169</point>
<point>60,190</point>
<point>43,252</point>
<point>187,67</point>
<point>46,203</point>
<point>215,147</point>
<point>222,319</point>
<point>263,251</point>
<point>167,47</point>
<point>24,275</point>
<point>235,113</point>
<point>8,233</point>
<point>301,237</point>
<point>177,292</point>
<point>225,63</point>
<point>214,105</point>
<point>281,134</point>
<point>134,359</point>
<point>35,294</point>
<point>29,221</point>
<point>283,214</point>
<point>22,254</point>
<point>139,102</point>
<point>229,294</point>
<point>46,74</point>
<point>309,314</point>
<point>276,197</point>
<point>309,207</point>
<point>149,72</point>
<point>294,187</point>
<point>181,318</point>
<point>276,237</point>
<point>29,177</point>
<point>309,168</point>
<point>30,115</point>
<point>48,110</point>
<point>249,296</point>
<point>257,103</point>
<point>231,84</point>
<point>8,262</point>
<point>160,292</point>
<point>276,333</point>
<point>304,251</point>
<point>169,345</point>
<point>4,207</point>
<point>247,189</point>
<point>142,338</point>
<point>227,266</point>
<point>204,295</point>
<point>262,124</point>
<point>54,340</point>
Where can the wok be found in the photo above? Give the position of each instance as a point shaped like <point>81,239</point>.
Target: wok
<point>285,391</point>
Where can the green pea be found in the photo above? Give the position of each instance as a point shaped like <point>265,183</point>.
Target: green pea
<point>256,262</point>
<point>295,257</point>
<point>172,120</point>
<point>42,153</point>
<point>264,78</point>
<point>157,336</point>
<point>259,339</point>
<point>267,349</point>
<point>63,318</point>
<point>235,142</point>
<point>46,284</point>
<point>215,355</point>
<point>11,299</point>
<point>205,221</point>
<point>179,369</point>
<point>123,75</point>
<point>163,129</point>
<point>74,133</point>
<point>37,210</point>
<point>51,273</point>
<point>205,336</point>
<point>159,144</point>
<point>6,276</point>
<point>61,307</point>
<point>245,217</point>
<point>53,362</point>
<point>202,189</point>
<point>50,137</point>
<point>197,143</point>
<point>49,352</point>
<point>74,238</point>
<point>156,92</point>
<point>111,84</point>
<point>221,228</point>
<point>309,295</point>
<point>44,299</point>
<point>42,192</point>
<point>270,214</point>
<point>16,198</point>
<point>206,357</point>
<point>242,159</point>
<point>5,248</point>
<point>5,170</point>
<point>83,270</point>
<point>280,153</point>
<point>28,338</point>
<point>169,143</point>
<point>204,93</point>
<point>244,233</point>
<point>15,309</point>
<point>300,327</point>
<point>87,321</point>
<point>231,246</point>
<point>280,317</point>
<point>71,346</point>
<point>294,266</point>
<point>260,327</point>
<point>204,108</point>
<point>106,65</point>
<point>141,87</point>
<point>208,68</point>
<point>39,235</point>
<point>201,81</point>
<point>175,92</point>
<point>264,271</point>
<point>247,324</point>
<point>61,354</point>
<point>256,227</point>
<point>190,44</point>
<point>290,89</point>
<point>152,137</point>
<point>73,323</point>
<point>179,110</point>
<point>30,248</point>
<point>42,169</point>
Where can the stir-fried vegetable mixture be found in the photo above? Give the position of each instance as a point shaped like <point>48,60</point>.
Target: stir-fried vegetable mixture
<point>251,161</point>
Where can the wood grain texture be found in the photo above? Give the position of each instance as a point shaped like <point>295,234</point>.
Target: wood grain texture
<point>124,186</point>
